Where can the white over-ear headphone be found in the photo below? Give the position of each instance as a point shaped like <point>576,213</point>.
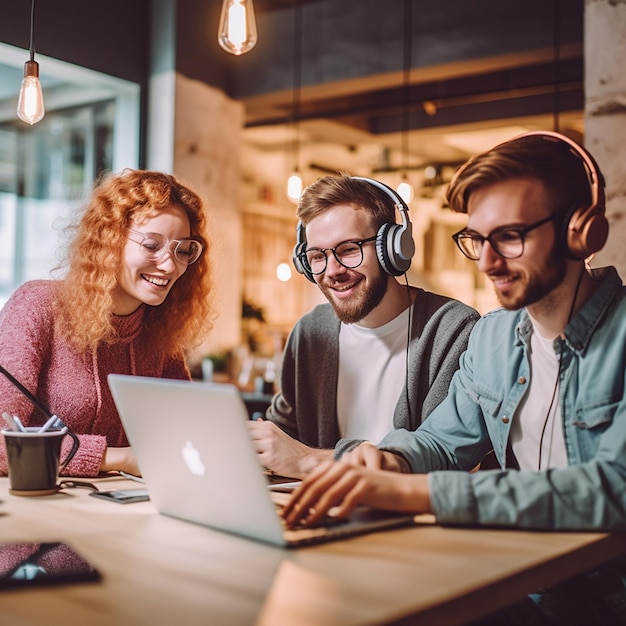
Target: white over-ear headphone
<point>394,242</point>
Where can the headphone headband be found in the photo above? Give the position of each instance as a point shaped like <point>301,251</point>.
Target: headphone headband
<point>587,227</point>
<point>596,181</point>
<point>398,203</point>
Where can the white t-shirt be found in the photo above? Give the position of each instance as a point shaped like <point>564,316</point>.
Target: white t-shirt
<point>539,409</point>
<point>372,374</point>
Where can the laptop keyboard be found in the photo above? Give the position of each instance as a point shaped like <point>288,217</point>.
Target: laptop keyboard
<point>324,522</point>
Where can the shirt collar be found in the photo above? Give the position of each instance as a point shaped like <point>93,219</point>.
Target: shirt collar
<point>579,331</point>
<point>581,328</point>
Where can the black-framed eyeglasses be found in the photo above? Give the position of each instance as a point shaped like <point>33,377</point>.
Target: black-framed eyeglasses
<point>154,246</point>
<point>348,253</point>
<point>508,242</point>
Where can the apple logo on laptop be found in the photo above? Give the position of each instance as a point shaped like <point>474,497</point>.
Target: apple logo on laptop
<point>192,459</point>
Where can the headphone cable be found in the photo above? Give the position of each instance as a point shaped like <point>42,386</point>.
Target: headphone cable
<point>558,374</point>
<point>408,344</point>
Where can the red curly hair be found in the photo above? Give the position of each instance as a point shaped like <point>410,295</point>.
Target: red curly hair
<point>84,298</point>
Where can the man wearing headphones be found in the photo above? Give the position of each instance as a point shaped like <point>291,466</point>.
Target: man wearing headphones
<point>380,355</point>
<point>541,383</point>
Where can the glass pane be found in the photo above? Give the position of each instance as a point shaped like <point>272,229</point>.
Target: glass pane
<point>46,173</point>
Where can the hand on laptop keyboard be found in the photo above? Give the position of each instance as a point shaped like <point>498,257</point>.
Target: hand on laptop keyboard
<point>325,521</point>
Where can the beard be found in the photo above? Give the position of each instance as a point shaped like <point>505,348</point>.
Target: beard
<point>538,286</point>
<point>362,303</point>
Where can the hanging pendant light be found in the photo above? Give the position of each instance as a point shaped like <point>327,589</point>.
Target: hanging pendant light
<point>30,107</point>
<point>405,189</point>
<point>237,31</point>
<point>295,184</point>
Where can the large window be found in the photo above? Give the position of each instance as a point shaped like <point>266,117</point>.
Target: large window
<point>48,170</point>
<point>45,172</point>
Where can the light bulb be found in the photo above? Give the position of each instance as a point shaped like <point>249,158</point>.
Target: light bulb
<point>283,272</point>
<point>294,186</point>
<point>405,191</point>
<point>30,106</point>
<point>237,32</point>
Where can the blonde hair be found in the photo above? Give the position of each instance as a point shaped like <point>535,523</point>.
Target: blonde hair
<point>84,298</point>
<point>332,190</point>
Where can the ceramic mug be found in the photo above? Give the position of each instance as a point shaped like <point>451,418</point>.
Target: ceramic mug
<point>33,459</point>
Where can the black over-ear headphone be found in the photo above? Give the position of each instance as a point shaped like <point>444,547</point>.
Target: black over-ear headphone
<point>394,242</point>
<point>586,229</point>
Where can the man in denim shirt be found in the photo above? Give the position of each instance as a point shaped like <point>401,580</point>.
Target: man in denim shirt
<point>541,383</point>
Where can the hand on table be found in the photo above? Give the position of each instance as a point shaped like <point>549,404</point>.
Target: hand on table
<point>282,454</point>
<point>121,460</point>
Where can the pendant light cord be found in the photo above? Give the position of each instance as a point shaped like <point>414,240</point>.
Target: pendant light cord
<point>556,51</point>
<point>297,81</point>
<point>32,31</point>
<point>406,83</point>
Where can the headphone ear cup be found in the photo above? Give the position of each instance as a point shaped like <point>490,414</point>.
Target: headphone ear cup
<point>585,235</point>
<point>384,248</point>
<point>381,248</point>
<point>403,247</point>
<point>298,251</point>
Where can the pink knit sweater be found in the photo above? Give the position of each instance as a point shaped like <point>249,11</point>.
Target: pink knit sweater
<point>72,386</point>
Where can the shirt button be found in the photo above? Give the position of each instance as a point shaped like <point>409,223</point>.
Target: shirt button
<point>522,380</point>
<point>505,419</point>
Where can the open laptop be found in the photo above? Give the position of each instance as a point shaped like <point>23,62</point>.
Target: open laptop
<point>192,446</point>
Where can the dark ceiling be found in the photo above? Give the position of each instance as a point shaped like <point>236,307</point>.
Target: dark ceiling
<point>453,72</point>
<point>414,86</point>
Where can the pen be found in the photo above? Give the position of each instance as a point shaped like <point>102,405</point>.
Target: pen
<point>11,425</point>
<point>48,424</point>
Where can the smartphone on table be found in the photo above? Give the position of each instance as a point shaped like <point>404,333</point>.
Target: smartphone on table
<point>33,564</point>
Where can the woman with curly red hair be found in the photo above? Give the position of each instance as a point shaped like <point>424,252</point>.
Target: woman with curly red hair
<point>134,299</point>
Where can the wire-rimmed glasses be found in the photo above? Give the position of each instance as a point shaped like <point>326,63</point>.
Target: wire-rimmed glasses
<point>508,241</point>
<point>154,246</point>
<point>347,253</point>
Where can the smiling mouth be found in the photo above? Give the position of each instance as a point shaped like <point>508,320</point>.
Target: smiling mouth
<point>341,287</point>
<point>502,280</point>
<point>159,282</point>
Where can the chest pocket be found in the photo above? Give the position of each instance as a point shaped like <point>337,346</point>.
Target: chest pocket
<point>595,417</point>
<point>592,422</point>
<point>486,399</point>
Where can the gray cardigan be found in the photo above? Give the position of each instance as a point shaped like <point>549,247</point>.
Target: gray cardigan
<point>306,406</point>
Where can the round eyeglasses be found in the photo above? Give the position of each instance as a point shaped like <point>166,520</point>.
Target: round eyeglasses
<point>154,247</point>
<point>347,253</point>
<point>508,242</point>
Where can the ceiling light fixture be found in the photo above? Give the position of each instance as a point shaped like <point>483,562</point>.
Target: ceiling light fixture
<point>295,184</point>
<point>30,107</point>
<point>405,189</point>
<point>237,31</point>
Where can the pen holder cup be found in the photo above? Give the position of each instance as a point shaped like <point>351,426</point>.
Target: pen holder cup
<point>33,459</point>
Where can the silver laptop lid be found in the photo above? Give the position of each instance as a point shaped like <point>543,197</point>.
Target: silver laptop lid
<point>182,434</point>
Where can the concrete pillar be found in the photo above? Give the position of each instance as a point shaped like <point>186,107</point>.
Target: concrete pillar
<point>207,149</point>
<point>194,132</point>
<point>605,115</point>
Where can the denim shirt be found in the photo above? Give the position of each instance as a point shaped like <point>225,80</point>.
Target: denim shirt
<point>476,416</point>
